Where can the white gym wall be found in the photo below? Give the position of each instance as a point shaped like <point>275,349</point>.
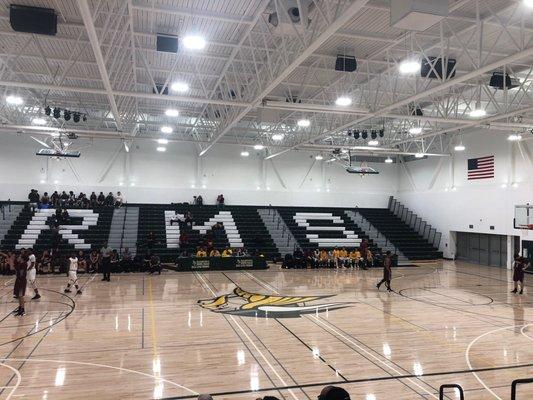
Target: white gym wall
<point>427,187</point>
<point>169,176</point>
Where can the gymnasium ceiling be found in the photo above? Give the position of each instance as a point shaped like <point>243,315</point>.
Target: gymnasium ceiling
<point>103,62</point>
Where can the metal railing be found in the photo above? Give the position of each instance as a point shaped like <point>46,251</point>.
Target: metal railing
<point>123,226</point>
<point>416,223</point>
<point>451,386</point>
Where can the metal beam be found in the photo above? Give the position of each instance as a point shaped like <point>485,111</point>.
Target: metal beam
<point>345,17</point>
<point>93,38</point>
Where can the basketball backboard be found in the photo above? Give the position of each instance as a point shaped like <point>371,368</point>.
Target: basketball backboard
<point>523,216</point>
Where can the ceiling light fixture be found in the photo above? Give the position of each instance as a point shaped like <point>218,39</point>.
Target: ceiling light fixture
<point>277,137</point>
<point>166,129</point>
<point>245,153</point>
<point>162,141</point>
<point>415,130</point>
<point>478,113</point>
<point>514,137</point>
<point>344,151</point>
<point>303,123</point>
<point>161,149</point>
<point>38,121</point>
<point>373,143</point>
<point>14,100</point>
<point>419,155</point>
<point>259,147</point>
<point>180,87</point>
<point>194,42</point>
<point>409,66</point>
<point>343,101</point>
<point>319,157</point>
<point>528,3</point>
<point>460,147</point>
<point>389,160</point>
<point>171,112</point>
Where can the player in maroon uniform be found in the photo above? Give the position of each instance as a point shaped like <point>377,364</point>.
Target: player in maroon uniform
<point>19,291</point>
<point>520,265</point>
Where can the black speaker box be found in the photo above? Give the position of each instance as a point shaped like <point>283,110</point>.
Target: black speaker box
<point>496,81</point>
<point>33,19</point>
<point>167,43</point>
<point>345,63</point>
<point>427,72</point>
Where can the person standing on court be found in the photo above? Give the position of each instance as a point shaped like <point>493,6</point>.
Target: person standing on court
<point>31,275</point>
<point>520,265</point>
<point>387,272</point>
<point>106,262</point>
<point>19,291</point>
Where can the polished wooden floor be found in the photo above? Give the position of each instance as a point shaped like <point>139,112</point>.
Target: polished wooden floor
<point>144,337</point>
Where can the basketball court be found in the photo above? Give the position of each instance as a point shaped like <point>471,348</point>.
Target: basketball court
<point>147,337</point>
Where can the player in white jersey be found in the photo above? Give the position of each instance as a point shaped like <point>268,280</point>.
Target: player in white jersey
<point>73,274</point>
<point>32,274</point>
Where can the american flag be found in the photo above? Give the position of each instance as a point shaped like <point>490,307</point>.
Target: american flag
<point>481,168</point>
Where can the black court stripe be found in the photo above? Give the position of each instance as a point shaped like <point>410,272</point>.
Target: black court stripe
<point>366,380</point>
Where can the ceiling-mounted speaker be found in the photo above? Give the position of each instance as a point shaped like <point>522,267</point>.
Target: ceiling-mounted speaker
<point>436,73</point>
<point>496,81</point>
<point>345,63</point>
<point>167,43</point>
<point>38,20</point>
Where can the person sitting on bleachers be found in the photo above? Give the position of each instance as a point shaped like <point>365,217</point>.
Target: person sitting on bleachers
<point>63,199</point>
<point>119,200</point>
<point>101,199</point>
<point>54,199</point>
<point>201,253</point>
<point>220,200</point>
<point>65,217</point>
<point>336,256</point>
<point>227,252</point>
<point>298,256</point>
<point>199,200</point>
<point>323,258</point>
<point>44,263</point>
<point>94,261</point>
<point>355,258</point>
<point>316,258</point>
<point>184,240</point>
<point>214,253</point>
<point>110,200</point>
<point>93,200</point>
<point>71,198</point>
<point>369,259</point>
<point>126,260</point>
<point>151,240</point>
<point>82,261</point>
<point>155,264</point>
<point>288,261</point>
<point>45,200</point>
<point>188,219</point>
<point>34,198</point>
<point>343,257</point>
<point>114,260</point>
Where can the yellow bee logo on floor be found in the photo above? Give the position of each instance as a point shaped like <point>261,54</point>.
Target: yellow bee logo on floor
<point>242,302</point>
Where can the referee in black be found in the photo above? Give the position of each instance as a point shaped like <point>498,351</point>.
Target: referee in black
<point>106,262</point>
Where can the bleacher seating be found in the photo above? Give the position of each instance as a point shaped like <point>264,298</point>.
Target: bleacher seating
<point>410,243</point>
<point>242,227</point>
<point>87,229</point>
<point>323,227</point>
